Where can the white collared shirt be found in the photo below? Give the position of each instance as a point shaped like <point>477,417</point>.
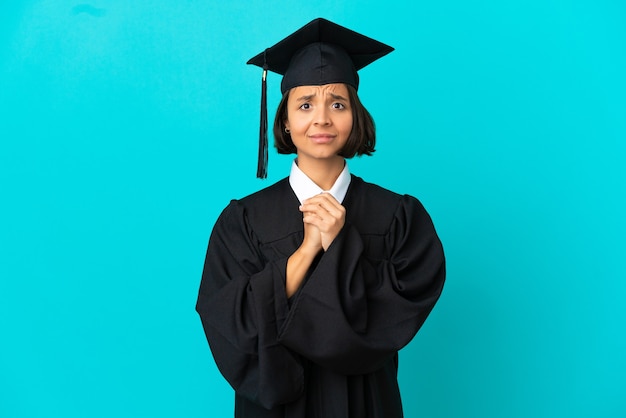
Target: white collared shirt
<point>305,188</point>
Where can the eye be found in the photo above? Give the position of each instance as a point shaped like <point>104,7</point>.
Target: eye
<point>305,106</point>
<point>338,105</point>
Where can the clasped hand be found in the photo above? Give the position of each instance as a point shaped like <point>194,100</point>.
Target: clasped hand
<point>323,218</point>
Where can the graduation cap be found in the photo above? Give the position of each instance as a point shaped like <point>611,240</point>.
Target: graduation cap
<point>321,52</point>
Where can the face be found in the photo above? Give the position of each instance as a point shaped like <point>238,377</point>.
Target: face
<point>320,120</point>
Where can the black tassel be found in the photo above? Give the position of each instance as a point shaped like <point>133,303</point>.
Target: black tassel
<point>261,171</point>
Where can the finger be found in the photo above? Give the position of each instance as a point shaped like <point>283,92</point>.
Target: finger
<point>326,202</point>
<point>325,222</point>
<point>314,220</point>
<point>315,208</point>
<point>324,198</point>
<point>316,211</point>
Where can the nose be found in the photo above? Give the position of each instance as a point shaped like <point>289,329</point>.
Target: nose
<point>322,116</point>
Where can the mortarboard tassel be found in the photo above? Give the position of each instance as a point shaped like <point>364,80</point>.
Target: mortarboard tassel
<point>261,171</point>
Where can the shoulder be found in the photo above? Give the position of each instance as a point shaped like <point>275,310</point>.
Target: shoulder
<point>367,190</point>
<point>260,200</point>
<point>269,214</point>
<point>376,207</point>
<point>371,191</point>
<point>278,190</point>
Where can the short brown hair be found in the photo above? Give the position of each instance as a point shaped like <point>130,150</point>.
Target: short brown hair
<point>362,139</point>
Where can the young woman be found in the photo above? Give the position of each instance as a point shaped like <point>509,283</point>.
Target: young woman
<point>312,285</point>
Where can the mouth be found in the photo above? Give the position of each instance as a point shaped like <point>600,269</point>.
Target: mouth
<point>322,138</point>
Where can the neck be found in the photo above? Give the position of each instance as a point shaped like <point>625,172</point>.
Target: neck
<point>323,172</point>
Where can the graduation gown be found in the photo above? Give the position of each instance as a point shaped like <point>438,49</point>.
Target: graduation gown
<point>330,351</point>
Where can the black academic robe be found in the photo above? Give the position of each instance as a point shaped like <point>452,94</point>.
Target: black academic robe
<point>331,350</point>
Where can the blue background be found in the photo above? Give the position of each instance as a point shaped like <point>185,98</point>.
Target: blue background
<point>126,127</point>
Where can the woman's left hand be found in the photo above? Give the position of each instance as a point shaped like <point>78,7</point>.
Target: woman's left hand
<point>327,214</point>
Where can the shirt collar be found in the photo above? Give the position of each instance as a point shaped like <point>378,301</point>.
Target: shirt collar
<point>305,188</point>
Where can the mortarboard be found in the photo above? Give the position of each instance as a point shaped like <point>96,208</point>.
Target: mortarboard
<point>321,52</point>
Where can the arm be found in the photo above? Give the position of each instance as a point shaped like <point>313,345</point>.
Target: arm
<point>301,260</point>
<point>241,307</point>
<point>323,218</point>
<point>353,314</point>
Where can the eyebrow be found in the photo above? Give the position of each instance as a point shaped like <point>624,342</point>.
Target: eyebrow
<point>338,97</point>
<point>305,98</point>
<point>310,96</point>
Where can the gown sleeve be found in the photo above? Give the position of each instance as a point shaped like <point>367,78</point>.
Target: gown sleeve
<point>353,314</point>
<point>242,303</point>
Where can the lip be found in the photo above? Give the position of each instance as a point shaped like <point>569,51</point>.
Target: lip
<point>322,138</point>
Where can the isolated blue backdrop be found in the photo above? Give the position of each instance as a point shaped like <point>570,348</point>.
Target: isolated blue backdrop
<point>125,128</point>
